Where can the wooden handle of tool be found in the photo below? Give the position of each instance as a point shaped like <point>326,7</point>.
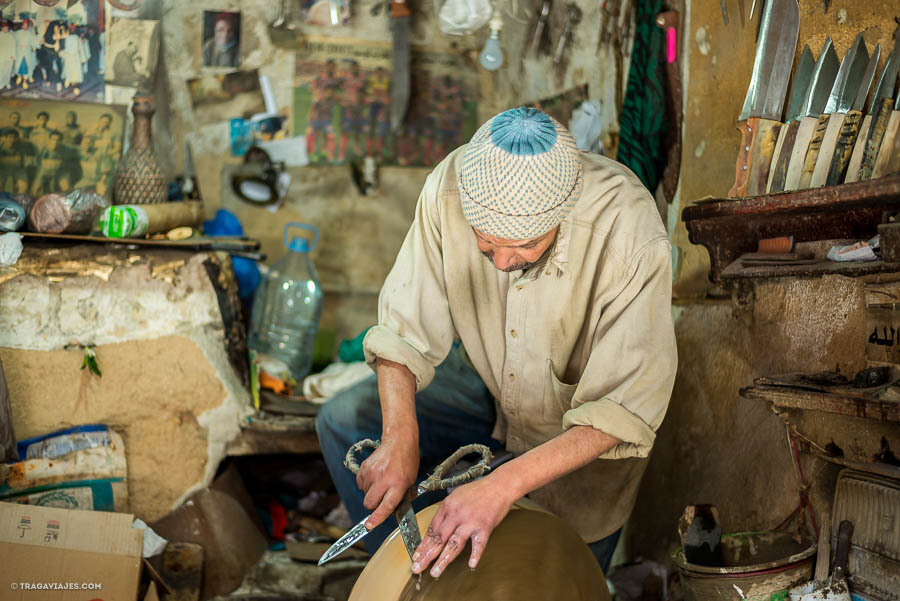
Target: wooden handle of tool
<point>787,138</point>
<point>887,146</point>
<point>798,153</point>
<point>812,153</point>
<point>893,163</point>
<point>837,171</point>
<point>880,116</point>
<point>399,8</point>
<point>763,149</point>
<point>742,165</point>
<point>859,149</point>
<point>166,216</point>
<point>826,150</point>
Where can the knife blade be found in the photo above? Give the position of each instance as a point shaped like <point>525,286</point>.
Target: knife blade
<point>350,538</point>
<point>852,124</point>
<point>882,102</point>
<point>788,134</point>
<point>839,103</point>
<point>400,14</point>
<point>760,117</point>
<point>408,526</point>
<point>823,78</point>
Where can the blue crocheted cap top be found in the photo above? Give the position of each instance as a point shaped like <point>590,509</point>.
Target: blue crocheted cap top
<point>523,131</point>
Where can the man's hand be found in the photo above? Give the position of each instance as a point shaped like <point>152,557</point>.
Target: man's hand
<point>386,475</point>
<point>470,512</point>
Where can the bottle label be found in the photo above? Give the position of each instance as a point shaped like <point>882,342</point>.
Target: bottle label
<point>124,221</point>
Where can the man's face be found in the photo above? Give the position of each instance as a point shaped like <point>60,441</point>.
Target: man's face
<point>15,118</point>
<point>70,118</point>
<point>42,120</point>
<point>7,140</point>
<point>513,255</point>
<point>104,122</point>
<point>224,33</point>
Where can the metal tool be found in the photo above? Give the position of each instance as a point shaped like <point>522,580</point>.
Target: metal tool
<point>573,16</point>
<point>406,517</point>
<point>760,118</point>
<point>539,28</point>
<point>823,78</point>
<point>882,103</point>
<point>400,14</point>
<point>788,134</point>
<point>724,12</point>
<point>828,127</point>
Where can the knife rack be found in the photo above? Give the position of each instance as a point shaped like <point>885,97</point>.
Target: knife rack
<point>730,227</point>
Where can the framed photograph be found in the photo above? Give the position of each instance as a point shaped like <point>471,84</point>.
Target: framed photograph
<point>55,146</point>
<point>221,39</point>
<point>133,51</point>
<point>52,49</point>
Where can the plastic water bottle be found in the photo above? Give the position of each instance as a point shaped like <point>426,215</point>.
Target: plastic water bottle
<point>286,311</point>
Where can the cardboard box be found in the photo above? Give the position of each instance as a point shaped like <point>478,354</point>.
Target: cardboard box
<point>55,554</point>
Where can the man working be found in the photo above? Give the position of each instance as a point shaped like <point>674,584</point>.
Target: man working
<point>553,269</point>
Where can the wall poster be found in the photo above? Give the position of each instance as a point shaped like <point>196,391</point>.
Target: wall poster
<point>342,103</point>
<point>52,50</point>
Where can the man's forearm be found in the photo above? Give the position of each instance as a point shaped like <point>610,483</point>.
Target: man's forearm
<point>397,390</point>
<point>574,448</point>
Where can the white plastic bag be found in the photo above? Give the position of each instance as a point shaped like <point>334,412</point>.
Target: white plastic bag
<point>462,17</point>
<point>587,126</point>
<point>10,248</point>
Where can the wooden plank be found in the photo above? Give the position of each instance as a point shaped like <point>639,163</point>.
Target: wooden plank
<point>794,398</point>
<point>7,437</point>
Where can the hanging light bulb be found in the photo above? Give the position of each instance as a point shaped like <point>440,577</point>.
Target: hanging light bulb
<point>491,57</point>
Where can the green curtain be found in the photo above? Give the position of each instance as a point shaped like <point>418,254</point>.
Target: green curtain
<point>643,123</point>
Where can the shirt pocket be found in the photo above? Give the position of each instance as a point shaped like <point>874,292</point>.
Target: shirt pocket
<point>557,395</point>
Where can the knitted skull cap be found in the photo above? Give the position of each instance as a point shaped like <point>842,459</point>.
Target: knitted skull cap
<point>520,175</point>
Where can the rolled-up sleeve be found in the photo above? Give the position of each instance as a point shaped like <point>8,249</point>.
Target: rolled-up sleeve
<point>414,324</point>
<point>625,388</point>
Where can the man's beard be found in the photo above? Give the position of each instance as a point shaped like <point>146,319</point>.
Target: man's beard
<point>511,268</point>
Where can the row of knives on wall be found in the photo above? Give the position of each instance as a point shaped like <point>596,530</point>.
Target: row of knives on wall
<point>829,135</point>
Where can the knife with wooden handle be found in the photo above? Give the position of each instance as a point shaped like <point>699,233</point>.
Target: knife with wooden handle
<point>760,118</point>
<point>787,135</point>
<point>882,104</point>
<point>823,78</point>
<point>812,152</point>
<point>850,128</point>
<point>843,94</point>
<point>880,117</point>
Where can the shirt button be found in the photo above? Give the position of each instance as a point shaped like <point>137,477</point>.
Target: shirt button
<point>547,272</point>
<point>512,377</point>
<point>513,333</point>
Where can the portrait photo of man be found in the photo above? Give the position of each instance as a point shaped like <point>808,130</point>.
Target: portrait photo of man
<point>221,39</point>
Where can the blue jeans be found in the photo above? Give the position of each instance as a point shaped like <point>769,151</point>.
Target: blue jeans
<point>454,410</point>
<point>603,549</point>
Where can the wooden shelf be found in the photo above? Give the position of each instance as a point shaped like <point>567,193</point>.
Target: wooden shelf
<point>731,227</point>
<point>786,397</point>
<point>737,270</point>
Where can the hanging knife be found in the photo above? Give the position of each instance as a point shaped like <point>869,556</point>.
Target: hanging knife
<point>892,153</point>
<point>887,145</point>
<point>844,92</point>
<point>399,63</point>
<point>760,118</point>
<point>852,122</point>
<point>788,134</point>
<point>881,109</point>
<point>822,82</point>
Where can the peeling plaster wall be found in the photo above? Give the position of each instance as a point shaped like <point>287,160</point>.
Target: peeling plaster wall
<point>361,235</point>
<point>715,446</point>
<point>167,383</point>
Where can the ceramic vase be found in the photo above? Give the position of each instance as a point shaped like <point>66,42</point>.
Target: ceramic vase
<point>139,180</point>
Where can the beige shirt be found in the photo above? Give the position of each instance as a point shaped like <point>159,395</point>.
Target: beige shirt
<point>583,338</point>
